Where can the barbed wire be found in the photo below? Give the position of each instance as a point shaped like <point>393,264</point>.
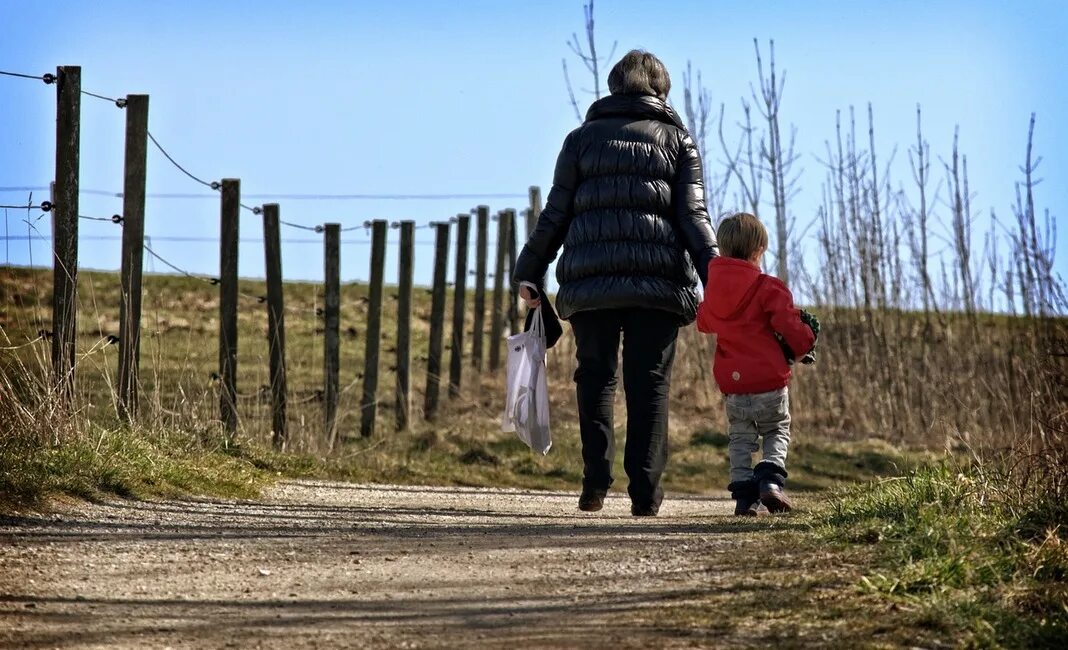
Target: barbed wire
<point>45,206</point>
<point>317,228</point>
<point>216,185</point>
<point>118,101</point>
<point>213,185</point>
<point>294,197</point>
<point>48,78</point>
<point>181,239</point>
<point>347,197</point>
<point>211,281</point>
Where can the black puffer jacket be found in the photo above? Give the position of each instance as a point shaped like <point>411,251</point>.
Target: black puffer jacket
<point>628,207</point>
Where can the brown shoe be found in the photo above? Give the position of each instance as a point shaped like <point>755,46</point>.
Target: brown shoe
<point>774,498</point>
<point>592,500</point>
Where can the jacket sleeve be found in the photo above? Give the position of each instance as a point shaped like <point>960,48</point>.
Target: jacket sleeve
<point>691,213</point>
<point>555,219</point>
<point>778,303</point>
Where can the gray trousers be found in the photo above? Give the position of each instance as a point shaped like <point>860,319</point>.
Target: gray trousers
<point>751,417</point>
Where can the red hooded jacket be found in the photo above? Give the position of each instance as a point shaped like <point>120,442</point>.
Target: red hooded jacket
<point>745,308</point>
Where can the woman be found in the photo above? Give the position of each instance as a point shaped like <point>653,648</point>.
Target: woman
<point>627,205</point>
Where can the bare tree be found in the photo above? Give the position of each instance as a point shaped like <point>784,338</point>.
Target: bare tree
<point>961,224</point>
<point>750,185</point>
<point>589,57</point>
<point>778,162</point>
<point>1040,291</point>
<point>920,161</point>
<point>697,105</point>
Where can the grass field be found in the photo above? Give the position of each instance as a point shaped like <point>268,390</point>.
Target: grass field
<point>463,445</point>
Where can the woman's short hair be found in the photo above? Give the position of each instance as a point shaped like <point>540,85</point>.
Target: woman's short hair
<point>741,235</point>
<point>639,73</point>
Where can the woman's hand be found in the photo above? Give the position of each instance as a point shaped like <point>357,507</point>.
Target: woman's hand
<point>530,296</point>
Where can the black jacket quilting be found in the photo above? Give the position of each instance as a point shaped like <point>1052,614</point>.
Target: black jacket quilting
<point>627,206</point>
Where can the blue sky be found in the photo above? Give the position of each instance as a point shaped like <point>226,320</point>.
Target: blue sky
<point>448,97</point>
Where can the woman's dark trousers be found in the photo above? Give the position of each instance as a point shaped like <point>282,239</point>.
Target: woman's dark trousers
<point>648,353</point>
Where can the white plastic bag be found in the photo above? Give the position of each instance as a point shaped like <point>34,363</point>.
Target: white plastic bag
<point>526,406</point>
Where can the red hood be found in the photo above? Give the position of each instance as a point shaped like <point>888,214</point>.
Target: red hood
<point>732,278</point>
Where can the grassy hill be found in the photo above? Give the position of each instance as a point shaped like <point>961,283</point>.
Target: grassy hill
<point>463,445</point>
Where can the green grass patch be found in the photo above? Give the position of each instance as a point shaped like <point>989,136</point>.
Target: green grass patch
<point>976,551</point>
<point>124,463</point>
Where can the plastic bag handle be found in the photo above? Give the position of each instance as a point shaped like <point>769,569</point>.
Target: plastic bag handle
<point>531,286</point>
<point>537,326</point>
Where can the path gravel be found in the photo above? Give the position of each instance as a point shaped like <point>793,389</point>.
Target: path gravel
<point>319,564</point>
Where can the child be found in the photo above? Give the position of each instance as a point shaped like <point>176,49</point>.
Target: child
<point>746,309</point>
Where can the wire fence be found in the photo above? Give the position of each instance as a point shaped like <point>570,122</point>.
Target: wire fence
<point>315,316</point>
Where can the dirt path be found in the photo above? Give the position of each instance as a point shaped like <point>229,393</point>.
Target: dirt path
<point>338,565</point>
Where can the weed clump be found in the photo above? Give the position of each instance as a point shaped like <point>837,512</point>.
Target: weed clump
<point>980,547</point>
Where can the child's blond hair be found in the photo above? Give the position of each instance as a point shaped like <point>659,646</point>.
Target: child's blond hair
<point>741,236</point>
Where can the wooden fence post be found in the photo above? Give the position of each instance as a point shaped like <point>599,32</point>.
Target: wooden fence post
<point>482,228</point>
<point>497,310</point>
<point>513,289</point>
<point>133,248</point>
<point>230,214</point>
<point>331,319</point>
<point>437,320</point>
<point>276,325</point>
<point>404,323</point>
<point>369,403</point>
<point>535,208</point>
<point>463,226</point>
<point>65,228</point>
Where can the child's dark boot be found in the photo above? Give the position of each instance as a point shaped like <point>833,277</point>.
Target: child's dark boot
<point>746,498</point>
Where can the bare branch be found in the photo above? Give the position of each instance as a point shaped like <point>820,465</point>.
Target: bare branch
<point>570,91</point>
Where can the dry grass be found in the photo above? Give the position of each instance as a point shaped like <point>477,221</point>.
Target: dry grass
<point>463,446</point>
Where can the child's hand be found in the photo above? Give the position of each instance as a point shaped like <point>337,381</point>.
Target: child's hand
<point>810,356</point>
<point>813,324</point>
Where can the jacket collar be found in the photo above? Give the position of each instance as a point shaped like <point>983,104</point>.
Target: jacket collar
<point>644,107</point>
